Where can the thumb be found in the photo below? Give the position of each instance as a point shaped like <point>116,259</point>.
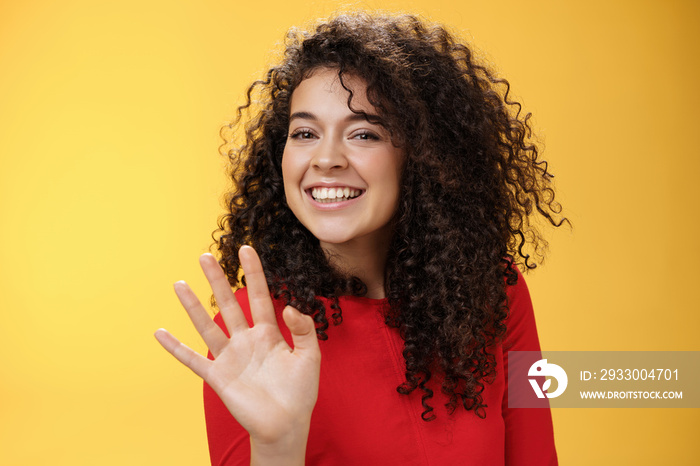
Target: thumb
<point>302,328</point>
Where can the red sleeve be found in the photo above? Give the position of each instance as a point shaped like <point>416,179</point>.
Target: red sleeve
<point>529,432</point>
<point>229,443</point>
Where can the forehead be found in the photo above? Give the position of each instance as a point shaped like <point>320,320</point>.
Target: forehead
<point>323,87</point>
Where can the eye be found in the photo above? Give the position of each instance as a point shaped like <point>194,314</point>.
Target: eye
<point>302,133</point>
<point>366,135</point>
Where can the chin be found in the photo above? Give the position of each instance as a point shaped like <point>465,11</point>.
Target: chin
<point>333,238</point>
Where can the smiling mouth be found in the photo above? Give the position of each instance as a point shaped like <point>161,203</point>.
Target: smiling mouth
<point>335,194</point>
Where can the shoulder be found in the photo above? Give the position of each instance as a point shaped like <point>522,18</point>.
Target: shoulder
<point>521,329</point>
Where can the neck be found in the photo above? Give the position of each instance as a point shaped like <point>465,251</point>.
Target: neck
<point>363,259</point>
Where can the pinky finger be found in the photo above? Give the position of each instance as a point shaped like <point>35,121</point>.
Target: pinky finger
<point>195,361</point>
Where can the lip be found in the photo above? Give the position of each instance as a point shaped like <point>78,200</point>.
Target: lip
<point>330,184</point>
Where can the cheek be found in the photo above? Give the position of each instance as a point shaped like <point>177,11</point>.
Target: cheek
<point>386,178</point>
<point>285,164</point>
<point>397,180</point>
<point>287,170</point>
<point>291,177</point>
<point>393,171</point>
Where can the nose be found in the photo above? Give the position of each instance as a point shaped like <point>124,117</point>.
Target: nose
<point>329,156</point>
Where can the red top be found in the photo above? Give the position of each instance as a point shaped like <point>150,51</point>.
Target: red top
<point>360,418</point>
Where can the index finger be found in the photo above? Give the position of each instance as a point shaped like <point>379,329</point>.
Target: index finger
<point>261,307</point>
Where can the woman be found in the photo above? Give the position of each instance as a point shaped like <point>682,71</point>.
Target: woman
<point>386,183</point>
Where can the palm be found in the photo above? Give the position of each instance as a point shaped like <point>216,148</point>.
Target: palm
<point>259,379</point>
<point>269,388</point>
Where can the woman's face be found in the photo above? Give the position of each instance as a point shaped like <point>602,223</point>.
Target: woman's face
<point>341,172</point>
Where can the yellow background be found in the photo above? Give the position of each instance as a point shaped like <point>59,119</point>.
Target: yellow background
<point>110,186</point>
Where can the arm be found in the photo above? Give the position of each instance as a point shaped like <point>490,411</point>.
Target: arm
<point>529,432</point>
<point>269,388</point>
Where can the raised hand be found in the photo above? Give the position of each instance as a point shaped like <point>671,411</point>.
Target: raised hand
<point>269,388</point>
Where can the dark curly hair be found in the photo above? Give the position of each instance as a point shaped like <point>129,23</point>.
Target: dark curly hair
<point>471,180</point>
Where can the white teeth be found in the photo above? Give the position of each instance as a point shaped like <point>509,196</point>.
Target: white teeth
<point>334,194</point>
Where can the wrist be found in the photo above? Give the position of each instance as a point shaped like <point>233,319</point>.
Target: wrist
<point>288,450</point>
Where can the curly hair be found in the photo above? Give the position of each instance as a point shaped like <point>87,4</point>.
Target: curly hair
<point>472,180</point>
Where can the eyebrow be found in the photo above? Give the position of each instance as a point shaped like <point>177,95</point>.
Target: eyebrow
<point>374,119</point>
